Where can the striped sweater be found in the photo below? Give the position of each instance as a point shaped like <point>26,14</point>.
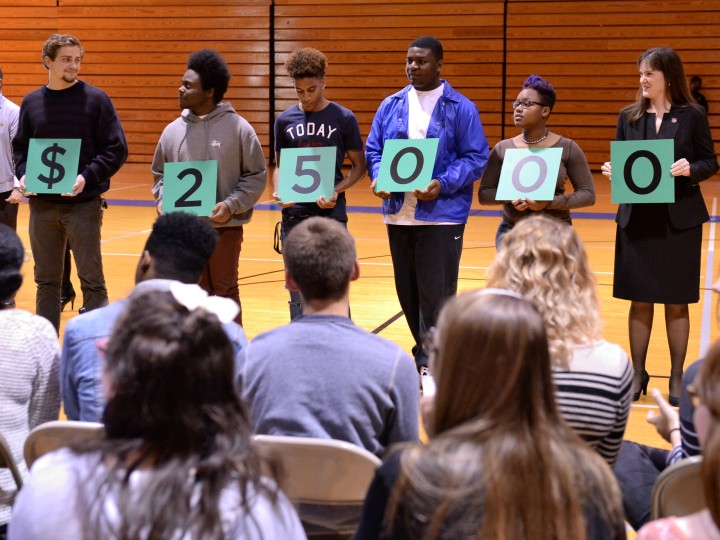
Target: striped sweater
<point>594,395</point>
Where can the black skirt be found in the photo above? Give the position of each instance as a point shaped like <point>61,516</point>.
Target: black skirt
<point>654,261</point>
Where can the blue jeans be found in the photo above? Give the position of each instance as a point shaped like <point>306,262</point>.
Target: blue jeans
<point>51,226</point>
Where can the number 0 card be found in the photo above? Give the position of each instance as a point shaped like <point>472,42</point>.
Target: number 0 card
<point>190,186</point>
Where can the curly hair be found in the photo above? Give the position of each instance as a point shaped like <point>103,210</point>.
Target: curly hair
<point>181,245</point>
<point>542,87</point>
<point>306,62</point>
<point>544,259</point>
<point>213,71</point>
<point>429,42</point>
<point>173,408</point>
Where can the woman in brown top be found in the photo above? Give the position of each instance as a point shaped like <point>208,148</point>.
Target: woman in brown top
<point>532,109</point>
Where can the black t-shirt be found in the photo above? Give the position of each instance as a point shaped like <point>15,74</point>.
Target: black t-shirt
<point>332,126</point>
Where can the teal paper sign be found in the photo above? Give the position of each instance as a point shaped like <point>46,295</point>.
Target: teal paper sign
<point>529,173</point>
<point>190,186</point>
<point>307,174</point>
<point>406,164</point>
<point>641,171</point>
<point>52,165</point>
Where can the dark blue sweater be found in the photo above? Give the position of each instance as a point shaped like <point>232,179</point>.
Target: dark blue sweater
<point>79,112</point>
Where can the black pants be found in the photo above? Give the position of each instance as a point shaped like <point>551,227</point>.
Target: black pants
<point>426,262</point>
<point>8,211</point>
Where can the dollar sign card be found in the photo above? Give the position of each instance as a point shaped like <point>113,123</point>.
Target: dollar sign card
<point>52,166</point>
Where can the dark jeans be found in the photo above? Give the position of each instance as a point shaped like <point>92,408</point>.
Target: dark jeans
<point>221,274</point>
<point>426,262</point>
<point>51,226</point>
<point>8,211</point>
<point>636,469</point>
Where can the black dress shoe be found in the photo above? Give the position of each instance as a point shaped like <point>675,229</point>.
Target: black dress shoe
<point>66,298</point>
<point>82,310</point>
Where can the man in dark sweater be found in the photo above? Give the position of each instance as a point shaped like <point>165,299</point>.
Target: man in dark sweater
<point>67,108</point>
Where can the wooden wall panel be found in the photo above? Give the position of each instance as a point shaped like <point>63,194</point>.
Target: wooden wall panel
<point>366,44</point>
<point>588,51</point>
<point>136,51</point>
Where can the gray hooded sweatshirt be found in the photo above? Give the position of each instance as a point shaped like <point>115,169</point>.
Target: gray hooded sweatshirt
<point>227,137</point>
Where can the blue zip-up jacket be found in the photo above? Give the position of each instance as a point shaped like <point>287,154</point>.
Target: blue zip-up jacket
<point>461,158</point>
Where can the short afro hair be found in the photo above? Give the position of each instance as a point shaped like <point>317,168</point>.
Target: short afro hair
<point>429,42</point>
<point>306,62</point>
<point>180,245</point>
<point>542,87</point>
<point>213,71</point>
<point>12,255</point>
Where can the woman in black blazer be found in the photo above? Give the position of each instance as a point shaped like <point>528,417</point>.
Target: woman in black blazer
<point>657,245</point>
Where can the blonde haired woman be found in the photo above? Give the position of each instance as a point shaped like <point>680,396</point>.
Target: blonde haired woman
<point>544,260</point>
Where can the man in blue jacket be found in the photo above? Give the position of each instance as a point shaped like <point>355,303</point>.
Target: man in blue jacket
<point>425,227</point>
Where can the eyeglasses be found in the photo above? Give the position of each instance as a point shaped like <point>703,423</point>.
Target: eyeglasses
<point>526,103</point>
<point>693,395</point>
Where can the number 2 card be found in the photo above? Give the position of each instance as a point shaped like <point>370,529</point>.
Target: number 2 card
<point>190,186</point>
<point>307,173</point>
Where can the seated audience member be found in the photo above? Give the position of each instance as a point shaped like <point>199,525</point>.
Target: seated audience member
<point>177,250</point>
<point>29,393</point>
<point>638,466</point>
<point>178,460</point>
<point>321,376</point>
<point>705,525</point>
<point>501,461</point>
<point>544,260</point>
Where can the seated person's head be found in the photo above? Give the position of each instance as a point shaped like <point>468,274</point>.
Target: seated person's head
<point>169,379</point>
<point>491,361</point>
<point>705,392</point>
<point>320,259</point>
<point>12,255</point>
<point>178,248</point>
<point>543,259</point>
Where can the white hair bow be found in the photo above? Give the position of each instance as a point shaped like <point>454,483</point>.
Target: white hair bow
<point>193,297</point>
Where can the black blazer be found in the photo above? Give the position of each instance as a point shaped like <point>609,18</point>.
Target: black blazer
<point>688,127</point>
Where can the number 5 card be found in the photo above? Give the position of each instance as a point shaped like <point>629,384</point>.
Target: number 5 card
<point>190,186</point>
<point>307,173</point>
<point>529,173</point>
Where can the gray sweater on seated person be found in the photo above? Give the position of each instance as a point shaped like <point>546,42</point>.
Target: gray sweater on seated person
<point>322,376</point>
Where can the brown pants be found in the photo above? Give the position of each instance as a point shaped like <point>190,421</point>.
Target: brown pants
<point>220,276</point>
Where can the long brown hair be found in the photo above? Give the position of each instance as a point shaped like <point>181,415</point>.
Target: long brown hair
<point>173,411</point>
<point>669,63</point>
<point>708,388</point>
<point>502,463</point>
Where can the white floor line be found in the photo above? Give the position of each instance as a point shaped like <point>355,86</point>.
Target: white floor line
<point>707,317</point>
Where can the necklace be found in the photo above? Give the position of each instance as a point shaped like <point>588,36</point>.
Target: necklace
<point>541,139</point>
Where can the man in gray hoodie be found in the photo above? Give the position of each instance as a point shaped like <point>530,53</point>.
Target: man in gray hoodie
<point>211,130</point>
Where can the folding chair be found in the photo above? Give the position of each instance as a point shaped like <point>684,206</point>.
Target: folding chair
<point>326,479</point>
<point>678,490</point>
<point>57,434</point>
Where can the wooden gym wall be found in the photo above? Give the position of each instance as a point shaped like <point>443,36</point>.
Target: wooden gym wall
<point>136,51</point>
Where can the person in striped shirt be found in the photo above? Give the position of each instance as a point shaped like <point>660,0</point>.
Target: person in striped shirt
<point>544,260</point>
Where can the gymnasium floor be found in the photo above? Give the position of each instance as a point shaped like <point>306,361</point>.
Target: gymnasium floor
<point>374,303</point>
